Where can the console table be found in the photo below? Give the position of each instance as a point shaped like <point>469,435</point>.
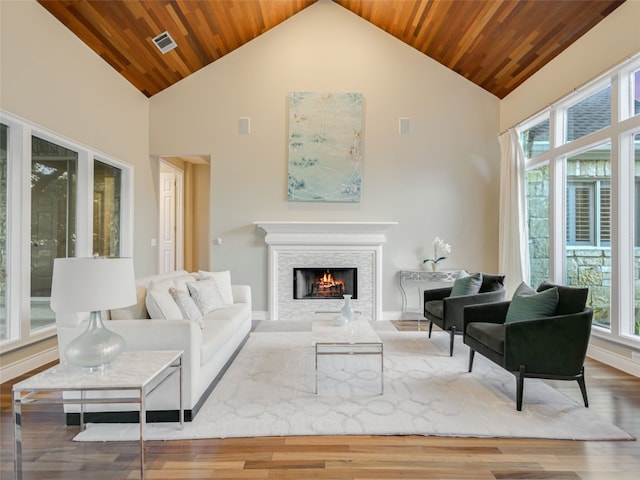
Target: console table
<point>420,280</point>
<point>139,373</point>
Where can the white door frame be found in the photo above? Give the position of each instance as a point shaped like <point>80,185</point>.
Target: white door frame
<point>166,167</point>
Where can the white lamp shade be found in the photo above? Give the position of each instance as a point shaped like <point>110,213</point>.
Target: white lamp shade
<point>92,284</point>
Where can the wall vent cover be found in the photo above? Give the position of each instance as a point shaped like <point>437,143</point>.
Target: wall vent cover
<point>164,42</point>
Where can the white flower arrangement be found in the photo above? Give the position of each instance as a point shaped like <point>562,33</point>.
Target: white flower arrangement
<point>438,244</point>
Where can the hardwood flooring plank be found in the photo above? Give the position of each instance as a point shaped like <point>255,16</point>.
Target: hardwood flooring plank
<point>537,475</point>
<point>186,464</point>
<point>289,464</point>
<point>202,474</point>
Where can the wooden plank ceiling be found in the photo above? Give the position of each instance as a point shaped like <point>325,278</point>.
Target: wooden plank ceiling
<point>496,44</point>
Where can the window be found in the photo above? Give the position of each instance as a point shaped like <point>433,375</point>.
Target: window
<point>589,115</point>
<point>588,220</point>
<point>636,230</point>
<point>53,220</point>
<point>588,212</point>
<point>588,227</point>
<point>3,230</point>
<point>107,181</point>
<point>535,140</point>
<point>538,223</point>
<point>73,199</point>
<point>580,213</point>
<point>635,88</point>
<point>583,198</point>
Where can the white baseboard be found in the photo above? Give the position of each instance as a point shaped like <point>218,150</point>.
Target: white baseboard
<point>8,372</point>
<point>402,315</point>
<point>388,315</point>
<point>614,360</point>
<point>259,315</point>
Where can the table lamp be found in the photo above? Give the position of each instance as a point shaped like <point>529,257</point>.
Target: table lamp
<point>93,285</point>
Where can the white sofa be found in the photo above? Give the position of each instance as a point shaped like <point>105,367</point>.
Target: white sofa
<point>209,346</point>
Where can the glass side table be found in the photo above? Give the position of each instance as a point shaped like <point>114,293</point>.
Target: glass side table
<point>139,373</point>
<point>420,280</point>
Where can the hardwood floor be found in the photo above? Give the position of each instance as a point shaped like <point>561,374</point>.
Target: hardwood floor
<point>49,452</point>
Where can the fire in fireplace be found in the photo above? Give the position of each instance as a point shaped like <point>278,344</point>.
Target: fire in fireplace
<point>324,283</point>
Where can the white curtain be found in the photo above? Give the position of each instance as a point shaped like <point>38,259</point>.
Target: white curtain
<point>513,233</point>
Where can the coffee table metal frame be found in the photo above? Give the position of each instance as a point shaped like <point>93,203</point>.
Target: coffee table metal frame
<point>121,376</point>
<point>351,348</point>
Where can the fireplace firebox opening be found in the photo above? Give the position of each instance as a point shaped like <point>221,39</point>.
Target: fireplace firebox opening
<point>319,283</point>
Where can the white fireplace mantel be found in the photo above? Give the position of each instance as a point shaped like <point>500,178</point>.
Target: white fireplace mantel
<point>325,233</point>
<point>298,244</point>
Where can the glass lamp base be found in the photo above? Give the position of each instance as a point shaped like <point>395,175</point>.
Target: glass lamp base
<point>96,347</point>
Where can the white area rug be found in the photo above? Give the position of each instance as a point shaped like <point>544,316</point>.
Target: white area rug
<point>269,391</point>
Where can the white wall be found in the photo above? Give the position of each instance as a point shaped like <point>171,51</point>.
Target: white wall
<point>443,179</point>
<point>50,78</point>
<point>612,40</point>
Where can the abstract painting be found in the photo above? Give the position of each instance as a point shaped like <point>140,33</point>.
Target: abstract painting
<point>325,147</point>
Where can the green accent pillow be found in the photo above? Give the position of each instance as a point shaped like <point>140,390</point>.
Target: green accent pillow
<point>469,285</point>
<point>523,289</point>
<point>525,306</point>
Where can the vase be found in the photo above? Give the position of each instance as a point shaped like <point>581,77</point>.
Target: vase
<point>346,312</point>
<point>434,267</point>
<point>96,347</point>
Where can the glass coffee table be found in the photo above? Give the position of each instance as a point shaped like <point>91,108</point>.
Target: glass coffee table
<point>355,338</point>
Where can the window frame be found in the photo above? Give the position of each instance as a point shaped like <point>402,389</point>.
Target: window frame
<point>531,124</point>
<point>636,206</point>
<point>19,225</point>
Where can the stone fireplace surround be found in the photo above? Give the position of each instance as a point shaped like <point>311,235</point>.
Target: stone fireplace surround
<point>324,244</point>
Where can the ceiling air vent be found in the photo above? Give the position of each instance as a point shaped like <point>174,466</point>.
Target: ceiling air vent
<point>164,42</point>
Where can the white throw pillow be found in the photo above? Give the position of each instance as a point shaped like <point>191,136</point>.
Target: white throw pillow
<point>187,305</point>
<point>181,281</point>
<point>207,295</point>
<point>159,302</point>
<point>223,279</point>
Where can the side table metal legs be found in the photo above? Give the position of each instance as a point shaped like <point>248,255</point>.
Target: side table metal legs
<point>17,430</point>
<point>338,348</point>
<point>71,379</point>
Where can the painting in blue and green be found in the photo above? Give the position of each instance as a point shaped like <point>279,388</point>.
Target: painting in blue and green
<point>325,147</point>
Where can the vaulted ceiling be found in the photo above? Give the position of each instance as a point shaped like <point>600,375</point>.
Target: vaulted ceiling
<point>496,44</point>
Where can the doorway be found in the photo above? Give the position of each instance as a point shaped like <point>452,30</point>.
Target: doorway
<point>171,220</point>
<point>183,213</point>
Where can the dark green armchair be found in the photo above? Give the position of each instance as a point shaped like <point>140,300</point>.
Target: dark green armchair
<point>552,347</point>
<point>446,311</point>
